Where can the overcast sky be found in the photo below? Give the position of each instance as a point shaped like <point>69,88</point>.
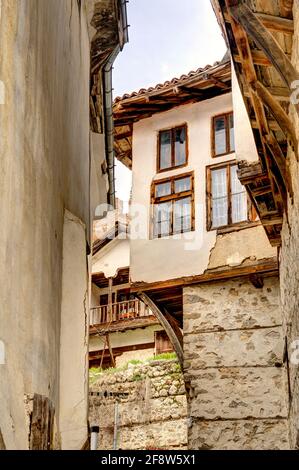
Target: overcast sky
<point>167,38</point>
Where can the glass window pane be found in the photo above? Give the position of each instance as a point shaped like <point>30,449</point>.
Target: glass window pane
<point>163,189</point>
<point>219,198</point>
<point>183,184</point>
<point>162,219</point>
<point>239,198</point>
<point>220,135</point>
<point>232,132</point>
<point>182,215</point>
<point>180,146</point>
<point>165,150</point>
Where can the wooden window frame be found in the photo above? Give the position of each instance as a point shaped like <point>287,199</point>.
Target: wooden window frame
<point>173,166</point>
<point>173,197</point>
<point>227,133</point>
<point>251,214</point>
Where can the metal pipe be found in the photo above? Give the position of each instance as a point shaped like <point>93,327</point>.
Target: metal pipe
<point>94,437</point>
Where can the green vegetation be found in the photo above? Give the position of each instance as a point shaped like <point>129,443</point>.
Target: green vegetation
<point>96,372</point>
<point>163,357</point>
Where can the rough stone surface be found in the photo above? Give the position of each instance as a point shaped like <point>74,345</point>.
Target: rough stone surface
<point>152,415</point>
<point>289,265</point>
<point>240,435</point>
<point>237,382</point>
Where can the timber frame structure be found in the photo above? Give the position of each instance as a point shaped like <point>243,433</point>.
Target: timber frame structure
<point>260,37</point>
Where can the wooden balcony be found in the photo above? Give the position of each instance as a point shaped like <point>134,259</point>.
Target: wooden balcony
<point>122,315</point>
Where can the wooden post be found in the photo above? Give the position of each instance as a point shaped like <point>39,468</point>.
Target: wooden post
<point>110,350</point>
<point>110,308</point>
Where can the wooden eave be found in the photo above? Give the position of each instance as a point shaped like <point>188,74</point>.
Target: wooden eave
<point>260,37</point>
<point>204,84</point>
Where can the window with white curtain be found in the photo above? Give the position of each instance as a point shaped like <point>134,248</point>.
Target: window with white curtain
<point>173,205</point>
<point>227,198</point>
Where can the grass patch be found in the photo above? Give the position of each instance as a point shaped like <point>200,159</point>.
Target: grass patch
<point>163,357</point>
<point>96,372</point>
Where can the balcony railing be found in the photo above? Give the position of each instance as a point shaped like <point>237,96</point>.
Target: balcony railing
<point>119,311</point>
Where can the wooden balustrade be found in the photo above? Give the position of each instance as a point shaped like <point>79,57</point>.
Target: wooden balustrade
<point>119,311</point>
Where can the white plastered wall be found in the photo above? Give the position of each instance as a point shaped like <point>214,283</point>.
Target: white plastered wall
<point>73,337</point>
<point>163,259</point>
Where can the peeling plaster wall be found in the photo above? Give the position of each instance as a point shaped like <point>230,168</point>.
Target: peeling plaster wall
<point>234,248</point>
<point>192,252</point>
<point>44,168</point>
<point>289,267</point>
<point>233,352</point>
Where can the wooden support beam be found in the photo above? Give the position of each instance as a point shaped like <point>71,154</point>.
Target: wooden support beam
<point>280,93</point>
<point>175,341</point>
<point>278,113</point>
<point>110,350</point>
<point>243,15</point>
<point>263,266</point>
<point>261,191</point>
<point>274,219</point>
<point>281,162</point>
<point>193,91</point>
<point>276,23</point>
<point>123,135</point>
<point>286,8</point>
<point>273,23</point>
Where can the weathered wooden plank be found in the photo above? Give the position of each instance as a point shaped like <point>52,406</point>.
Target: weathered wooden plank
<point>276,23</point>
<point>41,423</point>
<point>264,40</point>
<point>264,266</point>
<point>166,325</point>
<point>278,113</point>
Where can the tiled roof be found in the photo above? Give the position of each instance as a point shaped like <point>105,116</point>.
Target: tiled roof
<point>174,81</point>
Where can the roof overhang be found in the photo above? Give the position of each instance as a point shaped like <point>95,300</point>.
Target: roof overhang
<point>194,87</point>
<point>260,37</point>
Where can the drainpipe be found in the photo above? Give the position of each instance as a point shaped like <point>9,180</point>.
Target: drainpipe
<point>94,437</point>
<point>108,101</point>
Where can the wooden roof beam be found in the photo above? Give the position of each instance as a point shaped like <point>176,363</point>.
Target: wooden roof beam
<point>243,15</point>
<point>276,23</point>
<point>273,23</point>
<point>278,113</point>
<point>280,93</point>
<point>286,8</point>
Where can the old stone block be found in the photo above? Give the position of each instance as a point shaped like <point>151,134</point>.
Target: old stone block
<point>239,435</point>
<point>234,304</point>
<point>235,348</point>
<point>238,393</point>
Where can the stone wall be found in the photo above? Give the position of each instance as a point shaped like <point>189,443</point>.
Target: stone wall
<point>234,346</point>
<point>154,413</point>
<point>289,265</point>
